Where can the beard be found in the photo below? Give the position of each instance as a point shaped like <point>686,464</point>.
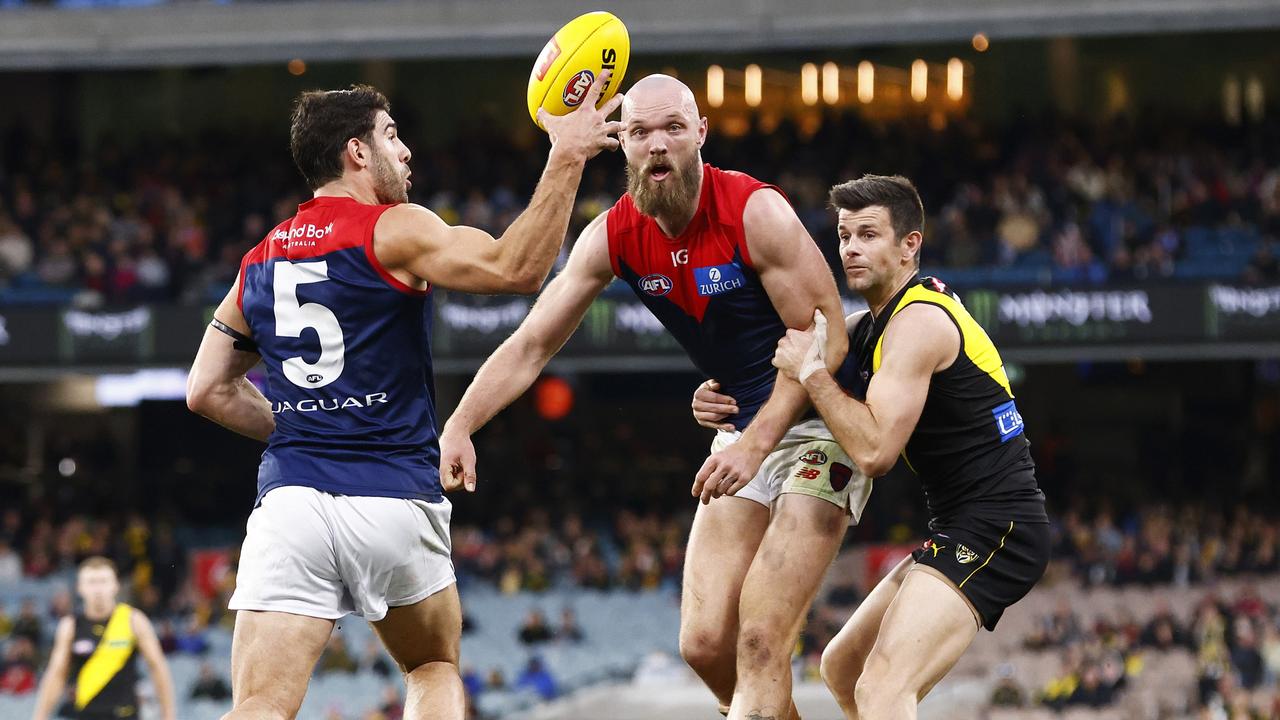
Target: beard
<point>388,185</point>
<point>673,197</point>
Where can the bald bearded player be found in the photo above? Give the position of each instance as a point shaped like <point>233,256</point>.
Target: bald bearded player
<point>724,263</point>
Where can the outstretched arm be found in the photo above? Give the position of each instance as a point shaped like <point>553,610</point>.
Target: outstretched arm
<point>517,362</point>
<point>217,387</point>
<point>798,281</point>
<point>55,675</point>
<point>417,246</point>
<point>920,341</point>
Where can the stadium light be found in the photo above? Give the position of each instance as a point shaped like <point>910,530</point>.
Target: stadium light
<point>955,79</point>
<point>980,42</point>
<point>809,84</point>
<point>297,66</point>
<point>866,81</point>
<point>754,85</point>
<point>715,86</point>
<point>831,83</point>
<point>919,80</point>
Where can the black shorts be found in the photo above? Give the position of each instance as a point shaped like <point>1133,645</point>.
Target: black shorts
<point>115,712</point>
<point>994,563</point>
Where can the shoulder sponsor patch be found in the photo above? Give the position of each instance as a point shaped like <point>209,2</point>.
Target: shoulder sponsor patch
<point>1008,421</point>
<point>718,279</point>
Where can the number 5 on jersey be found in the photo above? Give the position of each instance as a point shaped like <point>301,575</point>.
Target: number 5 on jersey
<point>292,319</point>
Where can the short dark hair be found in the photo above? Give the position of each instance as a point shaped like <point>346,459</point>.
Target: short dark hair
<point>892,192</point>
<point>323,122</point>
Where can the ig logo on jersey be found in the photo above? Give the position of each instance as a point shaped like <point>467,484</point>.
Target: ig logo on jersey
<point>576,89</point>
<point>656,285</point>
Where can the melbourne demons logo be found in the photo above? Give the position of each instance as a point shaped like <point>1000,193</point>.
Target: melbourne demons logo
<point>576,89</point>
<point>656,285</point>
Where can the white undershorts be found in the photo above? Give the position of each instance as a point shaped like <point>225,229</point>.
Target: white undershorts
<point>311,553</point>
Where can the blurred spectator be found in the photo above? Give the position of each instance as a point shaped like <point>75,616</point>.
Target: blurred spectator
<point>496,680</point>
<point>336,658</point>
<point>375,660</point>
<point>391,706</point>
<point>471,681</point>
<point>210,686</point>
<point>535,629</point>
<point>569,630</point>
<point>537,678</point>
<point>1007,692</point>
<point>18,669</point>
<point>10,563</point>
<point>27,624</point>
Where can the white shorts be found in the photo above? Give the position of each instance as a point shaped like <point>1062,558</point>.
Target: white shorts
<point>808,461</point>
<point>311,553</point>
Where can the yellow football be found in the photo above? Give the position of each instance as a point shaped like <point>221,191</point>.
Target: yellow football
<point>573,58</point>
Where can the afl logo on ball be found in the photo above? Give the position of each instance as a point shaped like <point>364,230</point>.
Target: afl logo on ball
<point>656,285</point>
<point>814,457</point>
<point>576,89</point>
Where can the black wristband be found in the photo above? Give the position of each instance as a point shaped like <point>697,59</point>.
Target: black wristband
<point>242,342</point>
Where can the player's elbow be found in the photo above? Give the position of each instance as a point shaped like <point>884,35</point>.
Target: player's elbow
<point>199,394</point>
<point>873,464</point>
<point>526,283</point>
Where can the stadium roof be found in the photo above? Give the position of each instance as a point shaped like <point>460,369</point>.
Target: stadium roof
<point>204,33</point>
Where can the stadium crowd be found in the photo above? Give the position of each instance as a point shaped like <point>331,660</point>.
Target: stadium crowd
<point>1236,640</point>
<point>168,219</point>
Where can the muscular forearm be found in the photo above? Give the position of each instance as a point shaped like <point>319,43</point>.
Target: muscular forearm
<point>525,246</point>
<point>238,406</point>
<point>505,376</point>
<point>784,407</point>
<point>850,421</point>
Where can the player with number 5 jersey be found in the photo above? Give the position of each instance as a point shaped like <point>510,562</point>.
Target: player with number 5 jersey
<point>336,302</point>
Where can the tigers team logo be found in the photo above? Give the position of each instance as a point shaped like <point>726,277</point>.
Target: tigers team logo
<point>576,89</point>
<point>964,555</point>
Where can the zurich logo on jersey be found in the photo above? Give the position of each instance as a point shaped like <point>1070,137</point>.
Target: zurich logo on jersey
<point>718,279</point>
<point>1008,421</point>
<point>656,285</point>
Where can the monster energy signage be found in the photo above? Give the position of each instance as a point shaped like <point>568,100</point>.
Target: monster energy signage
<point>1036,322</point>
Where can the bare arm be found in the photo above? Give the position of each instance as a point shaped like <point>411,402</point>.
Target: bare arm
<point>517,362</point>
<point>55,675</point>
<point>798,281</point>
<point>149,646</point>
<point>412,241</point>
<point>217,387</point>
<point>920,341</point>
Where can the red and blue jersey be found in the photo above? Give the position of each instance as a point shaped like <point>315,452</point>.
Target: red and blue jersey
<point>348,353</point>
<point>703,287</point>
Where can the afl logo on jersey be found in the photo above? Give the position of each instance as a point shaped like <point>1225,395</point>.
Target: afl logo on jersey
<point>83,646</point>
<point>576,89</point>
<point>656,285</point>
<point>314,378</point>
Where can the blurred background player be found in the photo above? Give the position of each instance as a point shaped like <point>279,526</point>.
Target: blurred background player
<point>349,515</point>
<point>721,259</point>
<point>98,647</point>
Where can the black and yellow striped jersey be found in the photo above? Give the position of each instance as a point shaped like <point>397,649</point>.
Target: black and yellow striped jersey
<point>969,447</point>
<point>104,666</point>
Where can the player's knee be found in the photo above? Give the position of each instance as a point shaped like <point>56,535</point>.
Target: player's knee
<point>706,650</point>
<point>838,671</point>
<point>877,685</point>
<point>761,645</point>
